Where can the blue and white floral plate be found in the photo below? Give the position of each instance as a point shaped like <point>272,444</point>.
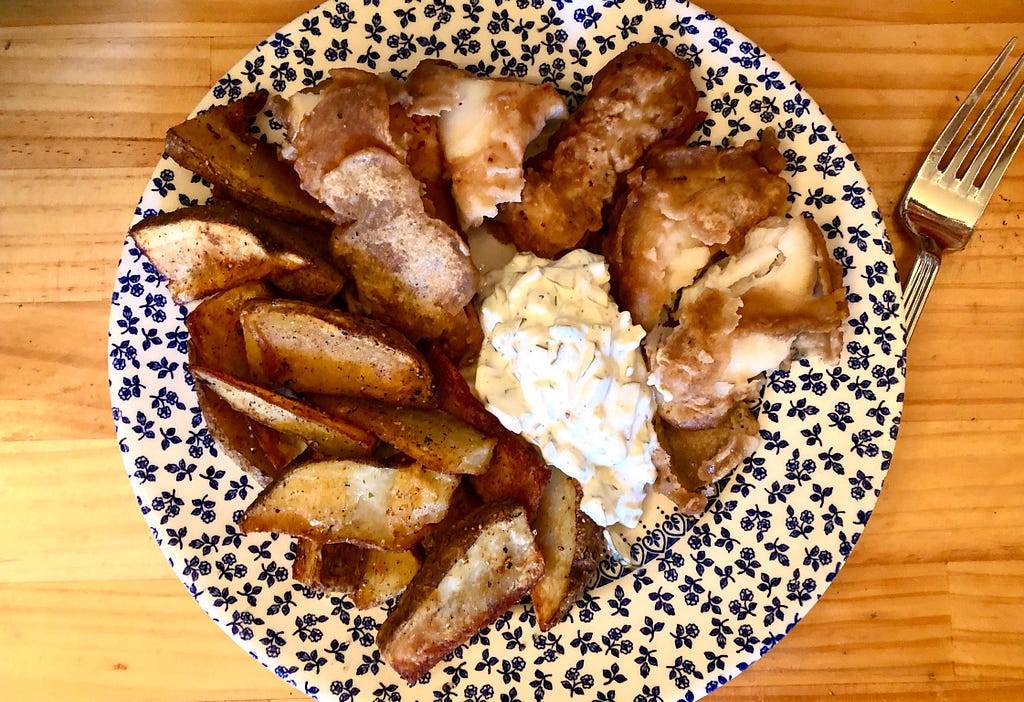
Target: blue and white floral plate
<point>714,595</point>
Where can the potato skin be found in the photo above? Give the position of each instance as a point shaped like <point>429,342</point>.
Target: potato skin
<point>572,545</point>
<point>308,348</point>
<point>352,501</point>
<point>488,563</point>
<point>216,145</point>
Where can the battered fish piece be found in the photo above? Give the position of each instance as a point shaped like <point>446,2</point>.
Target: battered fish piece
<point>485,127</point>
<point>642,94</point>
<point>683,207</point>
<point>780,297</point>
<point>409,268</point>
<point>690,461</point>
<point>347,113</point>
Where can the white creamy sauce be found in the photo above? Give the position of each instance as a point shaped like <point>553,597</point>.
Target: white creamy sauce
<point>561,365</point>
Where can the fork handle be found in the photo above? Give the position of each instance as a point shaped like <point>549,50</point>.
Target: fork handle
<point>919,284</point>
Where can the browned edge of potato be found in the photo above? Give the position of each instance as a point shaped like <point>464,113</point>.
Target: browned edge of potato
<point>493,558</point>
<point>354,501</point>
<point>308,348</point>
<point>572,545</point>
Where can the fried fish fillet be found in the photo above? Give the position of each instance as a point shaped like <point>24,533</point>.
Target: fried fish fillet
<point>409,268</point>
<point>779,297</point>
<point>691,460</point>
<point>641,95</point>
<point>485,127</point>
<point>685,205</point>
<point>342,115</point>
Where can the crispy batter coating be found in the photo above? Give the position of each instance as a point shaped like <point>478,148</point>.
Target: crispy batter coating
<point>485,125</point>
<point>352,150</point>
<point>343,115</point>
<point>689,461</point>
<point>684,206</point>
<point>780,297</point>
<point>639,96</point>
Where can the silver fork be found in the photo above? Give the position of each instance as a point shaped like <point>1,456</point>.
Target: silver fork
<point>943,203</point>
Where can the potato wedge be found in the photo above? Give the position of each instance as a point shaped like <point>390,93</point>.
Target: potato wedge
<point>328,567</point>
<point>353,501</point>
<point>215,340</point>
<point>517,470</point>
<point>233,432</point>
<point>480,570</point>
<point>215,329</point>
<point>432,437</point>
<point>326,433</point>
<point>314,349</point>
<point>572,545</point>
<point>217,145</point>
<point>282,449</point>
<point>205,249</point>
<point>384,574</point>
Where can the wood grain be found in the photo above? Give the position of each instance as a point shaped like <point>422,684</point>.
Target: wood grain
<point>929,607</point>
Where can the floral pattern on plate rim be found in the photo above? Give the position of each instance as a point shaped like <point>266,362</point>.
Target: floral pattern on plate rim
<point>714,594</point>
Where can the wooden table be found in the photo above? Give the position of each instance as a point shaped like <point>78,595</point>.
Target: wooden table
<point>931,604</point>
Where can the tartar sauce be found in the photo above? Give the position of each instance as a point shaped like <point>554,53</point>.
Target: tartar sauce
<point>561,365</point>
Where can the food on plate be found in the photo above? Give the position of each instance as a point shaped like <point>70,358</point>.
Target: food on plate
<point>215,340</point>
<point>432,437</point>
<point>329,122</point>
<point>341,311</point>
<point>307,348</point>
<point>207,249</point>
<point>359,501</point>
<point>384,575</point>
<point>476,572</point>
<point>642,94</point>
<point>217,145</point>
<point>517,470</point>
<point>690,461</point>
<point>369,576</point>
<point>572,546</point>
<point>408,267</point>
<point>326,433</point>
<point>327,567</point>
<point>485,127</point>
<point>683,206</point>
<point>561,365</point>
<point>780,296</point>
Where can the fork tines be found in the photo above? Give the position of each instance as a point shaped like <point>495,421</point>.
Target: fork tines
<point>975,177</point>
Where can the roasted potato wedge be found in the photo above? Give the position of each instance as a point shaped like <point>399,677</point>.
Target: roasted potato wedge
<point>315,349</point>
<point>328,567</point>
<point>487,564</point>
<point>206,249</point>
<point>517,470</point>
<point>326,433</point>
<point>282,449</point>
<point>352,501</point>
<point>215,340</point>
<point>217,145</point>
<point>432,437</point>
<point>215,329</point>
<point>572,546</point>
<point>383,575</point>
<point>233,431</point>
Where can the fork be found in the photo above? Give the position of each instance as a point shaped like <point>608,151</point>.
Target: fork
<point>944,201</point>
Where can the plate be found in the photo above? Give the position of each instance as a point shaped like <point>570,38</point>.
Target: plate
<point>713,595</point>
